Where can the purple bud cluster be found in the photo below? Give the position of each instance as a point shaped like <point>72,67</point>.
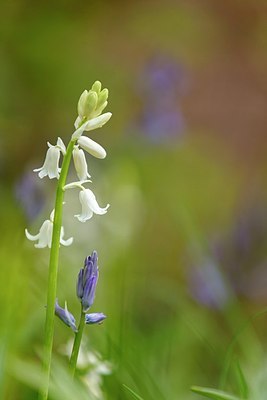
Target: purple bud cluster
<point>87,281</point>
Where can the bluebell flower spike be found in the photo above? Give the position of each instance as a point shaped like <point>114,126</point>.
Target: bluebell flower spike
<point>87,281</point>
<point>94,318</point>
<point>65,316</point>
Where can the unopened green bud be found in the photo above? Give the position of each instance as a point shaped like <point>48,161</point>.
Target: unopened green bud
<point>101,108</point>
<point>97,87</point>
<point>102,97</point>
<point>81,103</point>
<point>90,104</point>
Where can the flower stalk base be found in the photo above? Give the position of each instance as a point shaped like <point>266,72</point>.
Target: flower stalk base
<point>76,345</point>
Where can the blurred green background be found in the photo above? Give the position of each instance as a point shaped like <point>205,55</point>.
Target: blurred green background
<point>182,249</point>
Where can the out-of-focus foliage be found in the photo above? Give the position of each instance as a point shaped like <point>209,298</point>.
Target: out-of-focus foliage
<point>182,249</point>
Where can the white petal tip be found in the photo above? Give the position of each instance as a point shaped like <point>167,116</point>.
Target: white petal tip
<point>31,237</point>
<point>81,218</point>
<point>67,242</point>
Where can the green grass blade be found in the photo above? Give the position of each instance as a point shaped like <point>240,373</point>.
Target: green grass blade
<point>213,393</point>
<point>243,386</point>
<point>135,395</point>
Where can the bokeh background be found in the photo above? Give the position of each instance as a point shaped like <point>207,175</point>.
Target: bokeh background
<point>183,248</point>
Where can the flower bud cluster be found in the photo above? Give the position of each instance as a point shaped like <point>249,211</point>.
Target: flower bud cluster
<point>92,102</point>
<point>90,106</point>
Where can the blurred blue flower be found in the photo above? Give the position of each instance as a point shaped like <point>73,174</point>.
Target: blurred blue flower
<point>237,264</point>
<point>87,281</point>
<point>65,316</point>
<point>159,124</point>
<point>207,285</point>
<point>30,195</point>
<point>162,77</point>
<point>242,252</point>
<point>94,318</point>
<point>160,87</point>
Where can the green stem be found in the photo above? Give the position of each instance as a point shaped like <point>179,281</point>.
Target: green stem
<point>53,270</point>
<point>76,345</point>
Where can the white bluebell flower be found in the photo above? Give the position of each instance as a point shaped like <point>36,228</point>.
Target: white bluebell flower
<point>88,201</point>
<point>44,236</point>
<point>89,206</point>
<point>80,164</point>
<point>50,167</point>
<point>94,318</point>
<point>65,316</point>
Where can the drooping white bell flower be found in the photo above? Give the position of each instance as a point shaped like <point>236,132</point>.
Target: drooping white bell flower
<point>80,163</point>
<point>44,236</point>
<point>50,167</point>
<point>92,147</point>
<point>89,205</point>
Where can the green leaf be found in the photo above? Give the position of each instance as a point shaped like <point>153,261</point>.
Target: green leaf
<point>213,393</point>
<point>135,395</point>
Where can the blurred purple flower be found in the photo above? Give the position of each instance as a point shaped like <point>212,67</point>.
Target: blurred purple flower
<point>160,87</point>
<point>162,77</point>
<point>207,285</point>
<point>238,262</point>
<point>242,252</point>
<point>30,195</point>
<point>159,125</point>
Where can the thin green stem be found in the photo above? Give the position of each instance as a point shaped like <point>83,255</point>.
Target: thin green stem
<point>77,344</point>
<point>53,270</point>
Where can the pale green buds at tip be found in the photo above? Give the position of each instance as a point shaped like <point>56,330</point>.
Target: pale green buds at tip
<point>102,97</point>
<point>92,102</point>
<point>96,87</point>
<point>87,104</point>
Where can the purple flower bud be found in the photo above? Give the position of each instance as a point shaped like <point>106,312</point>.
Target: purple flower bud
<point>89,292</point>
<point>88,270</point>
<point>94,257</point>
<point>94,318</point>
<point>80,284</point>
<point>65,316</point>
<point>87,281</point>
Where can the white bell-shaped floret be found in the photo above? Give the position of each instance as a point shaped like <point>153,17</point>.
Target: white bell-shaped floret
<point>50,167</point>
<point>44,236</point>
<point>80,164</point>
<point>89,205</point>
